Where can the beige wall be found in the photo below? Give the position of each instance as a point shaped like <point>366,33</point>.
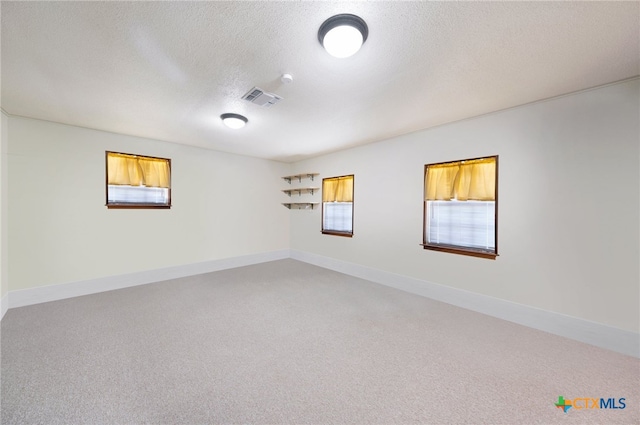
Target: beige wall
<point>568,208</point>
<point>60,231</point>
<point>4,269</point>
<point>568,205</point>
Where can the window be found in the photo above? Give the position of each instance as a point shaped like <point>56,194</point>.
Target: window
<point>135,181</point>
<point>460,207</point>
<point>337,206</point>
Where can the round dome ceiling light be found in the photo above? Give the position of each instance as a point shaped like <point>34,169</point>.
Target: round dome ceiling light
<point>343,35</point>
<point>234,121</point>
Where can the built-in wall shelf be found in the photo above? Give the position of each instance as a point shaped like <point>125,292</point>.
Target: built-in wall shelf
<point>300,205</point>
<point>301,190</point>
<point>299,177</point>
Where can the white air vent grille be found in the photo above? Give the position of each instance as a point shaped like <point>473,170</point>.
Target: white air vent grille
<point>261,98</point>
<point>253,93</point>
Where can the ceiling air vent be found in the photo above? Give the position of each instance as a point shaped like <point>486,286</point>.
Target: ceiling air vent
<point>261,98</point>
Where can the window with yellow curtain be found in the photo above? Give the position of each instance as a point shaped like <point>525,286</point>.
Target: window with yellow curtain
<point>337,206</point>
<point>460,207</point>
<point>136,181</point>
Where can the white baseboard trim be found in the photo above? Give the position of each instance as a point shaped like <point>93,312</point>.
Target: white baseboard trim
<point>600,335</point>
<point>582,330</point>
<point>74,289</point>
<point>4,305</point>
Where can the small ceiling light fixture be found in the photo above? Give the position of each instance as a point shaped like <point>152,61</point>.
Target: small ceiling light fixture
<point>234,121</point>
<point>343,35</point>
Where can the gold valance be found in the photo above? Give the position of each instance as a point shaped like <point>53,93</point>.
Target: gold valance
<point>473,180</point>
<point>337,189</point>
<point>133,170</point>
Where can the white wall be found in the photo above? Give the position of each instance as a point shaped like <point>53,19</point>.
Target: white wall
<point>568,209</point>
<point>4,127</point>
<point>568,205</point>
<point>60,230</point>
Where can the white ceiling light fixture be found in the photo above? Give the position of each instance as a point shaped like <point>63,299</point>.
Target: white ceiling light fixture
<point>234,121</point>
<point>343,35</point>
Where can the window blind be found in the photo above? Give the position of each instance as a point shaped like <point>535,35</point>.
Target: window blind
<point>137,195</point>
<point>337,216</point>
<point>466,224</point>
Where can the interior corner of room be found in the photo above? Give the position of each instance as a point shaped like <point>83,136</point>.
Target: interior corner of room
<point>320,212</point>
<point>250,149</point>
<point>560,247</point>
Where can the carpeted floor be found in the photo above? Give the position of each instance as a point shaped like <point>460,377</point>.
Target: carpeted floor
<point>290,343</point>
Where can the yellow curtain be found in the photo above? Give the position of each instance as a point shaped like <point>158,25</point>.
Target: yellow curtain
<point>476,180</point>
<point>462,180</point>
<point>132,170</point>
<point>123,170</point>
<point>338,189</point>
<point>439,181</point>
<point>156,172</point>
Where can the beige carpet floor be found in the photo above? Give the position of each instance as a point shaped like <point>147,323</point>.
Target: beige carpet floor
<point>289,343</point>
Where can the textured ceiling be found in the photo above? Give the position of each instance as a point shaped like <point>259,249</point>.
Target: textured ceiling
<point>167,70</point>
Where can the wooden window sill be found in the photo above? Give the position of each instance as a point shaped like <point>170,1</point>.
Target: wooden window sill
<point>137,206</point>
<point>334,233</point>
<point>461,251</point>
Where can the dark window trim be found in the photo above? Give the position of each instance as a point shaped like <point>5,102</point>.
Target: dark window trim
<point>132,206</point>
<point>336,233</point>
<point>353,198</point>
<point>457,249</point>
<point>137,206</point>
